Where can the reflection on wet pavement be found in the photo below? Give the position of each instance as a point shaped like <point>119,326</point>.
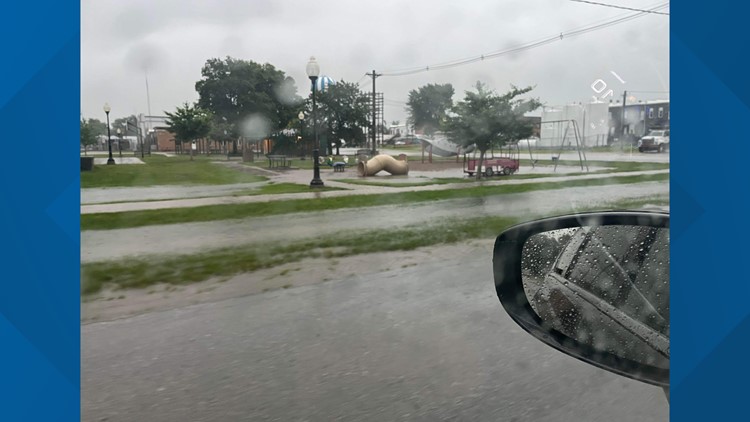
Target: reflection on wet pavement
<point>197,237</point>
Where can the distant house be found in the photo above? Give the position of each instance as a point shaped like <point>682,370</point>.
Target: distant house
<point>639,119</point>
<point>162,139</point>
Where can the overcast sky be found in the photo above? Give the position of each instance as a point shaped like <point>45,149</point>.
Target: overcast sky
<point>170,40</point>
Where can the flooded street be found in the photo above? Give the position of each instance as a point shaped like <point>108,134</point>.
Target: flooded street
<point>425,343</point>
<point>186,238</point>
<point>156,193</point>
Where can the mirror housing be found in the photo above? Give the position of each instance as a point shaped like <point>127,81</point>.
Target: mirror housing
<point>509,284</point>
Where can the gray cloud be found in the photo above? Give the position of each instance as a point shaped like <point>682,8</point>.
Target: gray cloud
<point>175,38</point>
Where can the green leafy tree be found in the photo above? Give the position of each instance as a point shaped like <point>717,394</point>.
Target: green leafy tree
<point>235,90</point>
<point>343,111</point>
<point>428,106</point>
<point>189,123</point>
<point>88,137</point>
<point>97,127</point>
<point>488,120</point>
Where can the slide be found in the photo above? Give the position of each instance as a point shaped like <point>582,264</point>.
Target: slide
<point>384,162</point>
<point>442,146</point>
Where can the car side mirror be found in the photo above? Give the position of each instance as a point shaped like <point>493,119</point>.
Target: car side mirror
<point>594,286</point>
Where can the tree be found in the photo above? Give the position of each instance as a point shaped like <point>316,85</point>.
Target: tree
<point>428,106</point>
<point>88,137</point>
<point>235,90</point>
<point>223,131</point>
<point>189,123</point>
<point>129,125</point>
<point>488,120</point>
<point>97,127</point>
<point>343,111</point>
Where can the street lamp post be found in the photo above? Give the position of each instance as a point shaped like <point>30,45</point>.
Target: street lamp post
<point>300,138</point>
<point>119,141</point>
<point>313,70</point>
<point>143,144</point>
<point>107,109</point>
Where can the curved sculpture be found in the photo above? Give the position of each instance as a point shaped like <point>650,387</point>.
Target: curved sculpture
<point>384,162</point>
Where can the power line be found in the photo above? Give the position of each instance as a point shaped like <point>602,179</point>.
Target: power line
<point>621,7</point>
<point>363,80</point>
<point>527,46</point>
<point>650,92</point>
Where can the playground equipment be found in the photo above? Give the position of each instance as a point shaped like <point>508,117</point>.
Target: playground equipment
<point>571,126</point>
<point>507,163</point>
<point>439,145</point>
<point>385,162</point>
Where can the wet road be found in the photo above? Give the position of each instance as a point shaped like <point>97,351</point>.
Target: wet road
<point>107,195</point>
<point>199,237</point>
<point>425,343</point>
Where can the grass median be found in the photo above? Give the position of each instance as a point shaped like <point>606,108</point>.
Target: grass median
<point>120,220</point>
<point>185,269</point>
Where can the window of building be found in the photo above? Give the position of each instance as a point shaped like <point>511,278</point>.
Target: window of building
<point>651,113</point>
<point>661,112</point>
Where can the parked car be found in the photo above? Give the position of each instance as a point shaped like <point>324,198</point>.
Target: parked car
<point>655,140</point>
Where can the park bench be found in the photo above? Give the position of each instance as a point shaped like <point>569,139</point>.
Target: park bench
<point>278,161</point>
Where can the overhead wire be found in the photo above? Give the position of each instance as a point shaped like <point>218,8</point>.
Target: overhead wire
<point>534,44</point>
<point>620,7</point>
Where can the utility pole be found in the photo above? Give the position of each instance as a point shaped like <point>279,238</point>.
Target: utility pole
<point>624,98</point>
<point>374,122</point>
<point>148,99</point>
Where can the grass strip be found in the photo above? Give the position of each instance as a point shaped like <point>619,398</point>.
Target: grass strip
<point>230,261</point>
<point>185,269</point>
<point>118,220</point>
<point>280,188</point>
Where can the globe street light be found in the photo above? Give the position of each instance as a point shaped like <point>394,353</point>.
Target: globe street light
<point>107,109</point>
<point>313,70</point>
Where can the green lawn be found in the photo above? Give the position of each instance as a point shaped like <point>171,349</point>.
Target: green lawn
<point>161,170</point>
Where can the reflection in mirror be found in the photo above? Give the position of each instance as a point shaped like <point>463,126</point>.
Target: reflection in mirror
<point>605,286</point>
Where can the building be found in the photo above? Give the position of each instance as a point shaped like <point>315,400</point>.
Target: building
<point>639,118</point>
<point>161,139</point>
<point>566,126</point>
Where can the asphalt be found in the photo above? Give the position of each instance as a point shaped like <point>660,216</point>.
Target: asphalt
<point>424,343</point>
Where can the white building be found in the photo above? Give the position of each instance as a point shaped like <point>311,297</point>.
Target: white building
<point>561,125</point>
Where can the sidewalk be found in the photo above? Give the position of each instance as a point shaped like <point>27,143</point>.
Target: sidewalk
<point>304,176</point>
